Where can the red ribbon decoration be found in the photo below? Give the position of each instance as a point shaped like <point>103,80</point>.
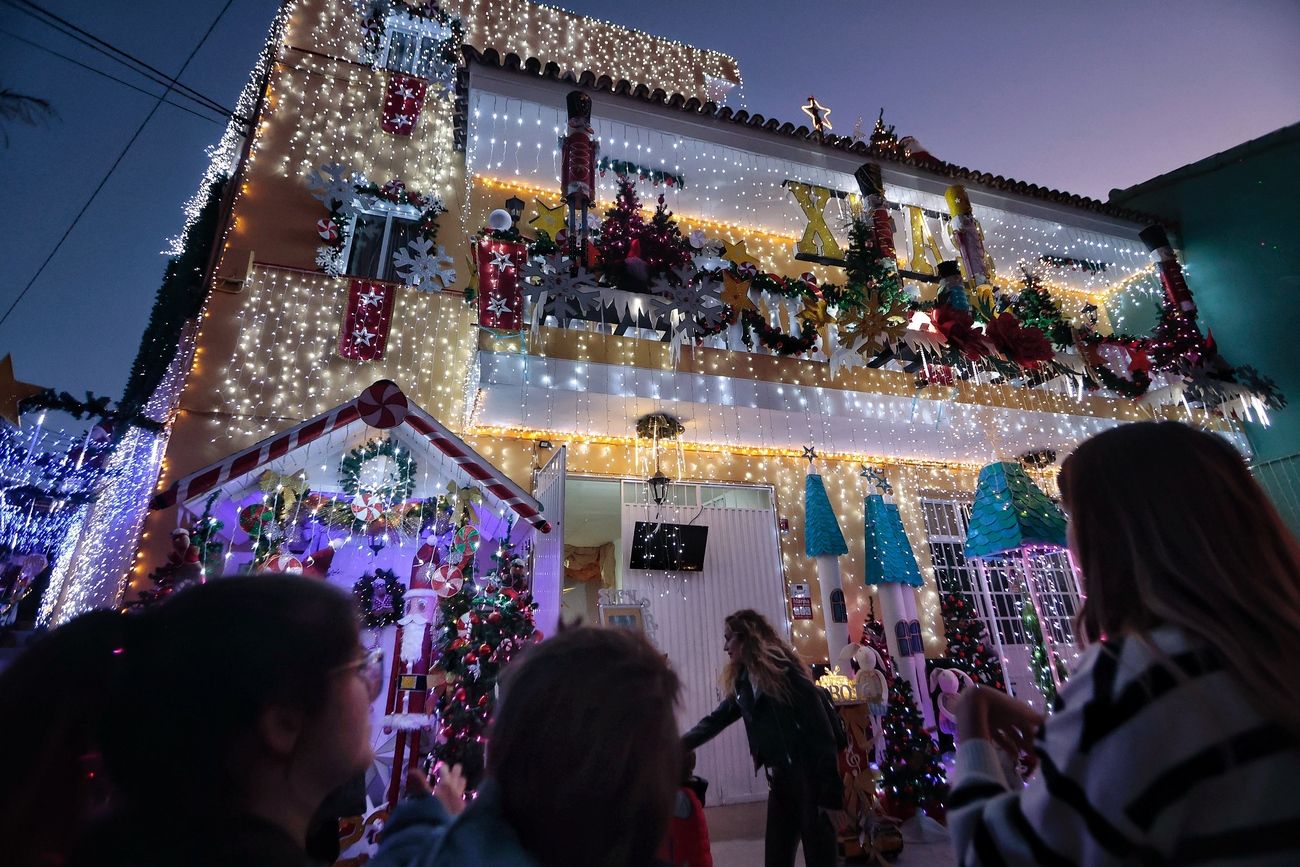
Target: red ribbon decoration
<point>364,333</point>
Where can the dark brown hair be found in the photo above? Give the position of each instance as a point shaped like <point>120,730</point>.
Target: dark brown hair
<point>585,748</point>
<point>1169,527</point>
<point>766,657</point>
<point>160,701</point>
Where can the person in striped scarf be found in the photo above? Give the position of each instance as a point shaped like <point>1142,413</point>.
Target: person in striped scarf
<point>1177,739</point>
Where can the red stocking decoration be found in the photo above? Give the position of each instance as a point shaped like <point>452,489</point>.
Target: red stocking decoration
<point>364,334</point>
<point>500,301</point>
<point>402,103</point>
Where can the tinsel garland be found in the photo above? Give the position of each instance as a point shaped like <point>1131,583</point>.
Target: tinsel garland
<point>775,339</point>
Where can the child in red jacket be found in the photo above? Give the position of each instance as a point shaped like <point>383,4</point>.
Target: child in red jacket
<point>687,843</point>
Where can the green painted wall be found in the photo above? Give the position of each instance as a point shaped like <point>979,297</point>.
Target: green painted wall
<point>1238,228</point>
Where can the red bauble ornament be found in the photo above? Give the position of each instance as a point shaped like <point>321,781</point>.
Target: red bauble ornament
<point>483,700</point>
<point>474,619</point>
<point>485,649</point>
<point>494,617</point>
<point>471,658</point>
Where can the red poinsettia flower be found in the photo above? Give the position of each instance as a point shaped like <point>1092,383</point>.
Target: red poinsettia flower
<point>1025,346</point>
<point>957,328</point>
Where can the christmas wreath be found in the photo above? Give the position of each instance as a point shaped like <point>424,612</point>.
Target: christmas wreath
<point>380,598</point>
<point>379,468</point>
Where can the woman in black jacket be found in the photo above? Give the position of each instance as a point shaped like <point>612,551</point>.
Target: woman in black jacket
<point>790,733</point>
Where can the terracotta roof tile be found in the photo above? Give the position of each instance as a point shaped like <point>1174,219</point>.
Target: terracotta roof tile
<point>627,90</point>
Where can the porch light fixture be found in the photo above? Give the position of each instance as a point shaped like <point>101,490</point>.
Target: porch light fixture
<point>658,487</point>
<point>655,430</point>
<point>515,208</point>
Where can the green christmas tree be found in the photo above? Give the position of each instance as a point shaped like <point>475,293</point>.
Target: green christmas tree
<point>1036,309</point>
<point>483,627</point>
<point>912,776</point>
<point>867,271</point>
<point>967,640</point>
<point>1039,660</point>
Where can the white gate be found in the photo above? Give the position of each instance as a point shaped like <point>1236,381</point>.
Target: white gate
<point>548,550</point>
<point>742,569</point>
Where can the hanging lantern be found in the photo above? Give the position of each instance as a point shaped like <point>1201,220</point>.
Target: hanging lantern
<point>655,434</point>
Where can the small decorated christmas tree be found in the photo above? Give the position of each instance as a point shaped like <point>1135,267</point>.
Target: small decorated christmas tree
<point>868,271</point>
<point>967,637</point>
<point>662,246</point>
<point>620,237</point>
<point>483,625</point>
<point>912,776</point>
<point>1036,309</point>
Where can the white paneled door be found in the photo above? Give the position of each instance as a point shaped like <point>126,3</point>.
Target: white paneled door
<point>742,569</point>
<point>548,549</point>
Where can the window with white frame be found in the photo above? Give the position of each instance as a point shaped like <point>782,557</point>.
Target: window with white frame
<point>1050,571</point>
<point>413,46</point>
<point>376,236</point>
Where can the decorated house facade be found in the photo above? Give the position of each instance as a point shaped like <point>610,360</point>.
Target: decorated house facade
<point>660,318</point>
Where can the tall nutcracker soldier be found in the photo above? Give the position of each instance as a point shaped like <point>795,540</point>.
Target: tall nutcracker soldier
<point>578,179</point>
<point>876,213</point>
<point>409,703</point>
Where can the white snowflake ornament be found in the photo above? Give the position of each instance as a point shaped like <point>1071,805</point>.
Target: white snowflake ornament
<point>428,269</point>
<point>330,260</point>
<point>333,184</point>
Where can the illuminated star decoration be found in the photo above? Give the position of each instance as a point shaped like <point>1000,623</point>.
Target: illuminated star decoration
<point>363,336</point>
<point>498,306</point>
<point>371,298</point>
<point>735,253</point>
<point>12,391</point>
<point>810,454</point>
<point>735,293</point>
<point>501,259</point>
<point>877,477</point>
<point>549,220</point>
<point>819,114</point>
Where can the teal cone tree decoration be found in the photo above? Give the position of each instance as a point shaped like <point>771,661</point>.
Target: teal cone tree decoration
<point>822,535</point>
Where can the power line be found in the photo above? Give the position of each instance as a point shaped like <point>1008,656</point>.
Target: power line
<point>109,76</point>
<point>116,163</point>
<point>118,55</point>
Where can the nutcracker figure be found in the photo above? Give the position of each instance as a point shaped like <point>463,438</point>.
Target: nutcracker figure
<point>968,235</point>
<point>876,212</point>
<point>1171,272</point>
<point>579,167</point>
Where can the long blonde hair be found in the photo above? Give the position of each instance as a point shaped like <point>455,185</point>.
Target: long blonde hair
<point>765,657</point>
<point>1169,527</point>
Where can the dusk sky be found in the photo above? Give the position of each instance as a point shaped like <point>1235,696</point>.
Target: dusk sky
<point>1083,97</point>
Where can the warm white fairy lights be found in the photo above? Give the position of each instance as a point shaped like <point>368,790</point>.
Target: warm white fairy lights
<point>271,352</point>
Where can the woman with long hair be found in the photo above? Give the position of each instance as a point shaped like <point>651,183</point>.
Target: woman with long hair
<point>1177,739</point>
<point>205,731</point>
<point>790,733</point>
<point>583,765</point>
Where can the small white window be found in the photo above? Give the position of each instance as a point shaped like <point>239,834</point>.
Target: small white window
<point>1052,576</point>
<point>375,237</point>
<point>413,46</point>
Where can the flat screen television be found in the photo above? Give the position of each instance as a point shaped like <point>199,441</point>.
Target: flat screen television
<point>671,547</point>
